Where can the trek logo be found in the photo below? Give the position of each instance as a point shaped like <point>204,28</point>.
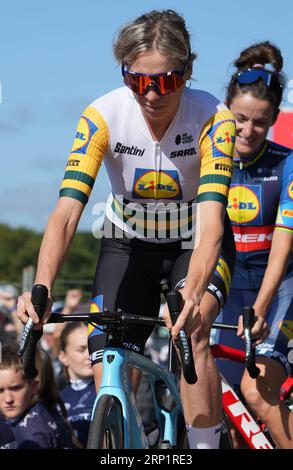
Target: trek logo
<point>73,162</point>
<point>120,148</point>
<point>184,139</point>
<point>244,204</point>
<point>242,419</point>
<point>253,238</point>
<point>183,153</point>
<point>153,184</point>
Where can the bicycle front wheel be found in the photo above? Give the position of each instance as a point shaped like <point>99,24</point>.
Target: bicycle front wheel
<point>106,429</point>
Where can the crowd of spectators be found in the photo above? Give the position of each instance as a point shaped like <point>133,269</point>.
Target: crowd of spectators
<point>53,410</point>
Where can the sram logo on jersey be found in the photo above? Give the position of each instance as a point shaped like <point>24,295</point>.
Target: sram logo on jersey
<point>153,184</point>
<point>120,148</point>
<point>244,204</point>
<point>183,153</point>
<point>256,238</point>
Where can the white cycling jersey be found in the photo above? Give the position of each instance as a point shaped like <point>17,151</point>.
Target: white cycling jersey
<point>155,185</point>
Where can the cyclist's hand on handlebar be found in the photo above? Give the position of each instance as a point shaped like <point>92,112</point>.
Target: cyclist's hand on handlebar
<point>25,309</point>
<point>189,318</point>
<point>259,332</point>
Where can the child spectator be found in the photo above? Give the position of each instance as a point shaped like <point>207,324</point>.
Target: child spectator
<point>29,405</point>
<point>79,395</point>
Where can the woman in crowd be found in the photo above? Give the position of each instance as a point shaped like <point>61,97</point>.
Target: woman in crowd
<point>261,211</point>
<point>79,395</point>
<point>30,405</point>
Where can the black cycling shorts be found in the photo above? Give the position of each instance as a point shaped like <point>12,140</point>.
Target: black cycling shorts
<point>128,276</point>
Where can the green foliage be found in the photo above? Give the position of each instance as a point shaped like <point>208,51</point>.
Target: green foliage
<point>19,247</point>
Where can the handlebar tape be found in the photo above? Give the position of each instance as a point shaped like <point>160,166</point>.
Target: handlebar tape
<point>248,322</point>
<point>175,304</point>
<point>30,337</point>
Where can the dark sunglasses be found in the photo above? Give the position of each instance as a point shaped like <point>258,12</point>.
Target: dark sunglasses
<point>249,76</point>
<point>166,83</point>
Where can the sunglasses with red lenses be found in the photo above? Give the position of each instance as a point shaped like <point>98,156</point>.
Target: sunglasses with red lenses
<point>165,83</point>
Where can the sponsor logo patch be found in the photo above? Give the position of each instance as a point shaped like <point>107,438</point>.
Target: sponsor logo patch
<point>153,184</point>
<point>223,167</point>
<point>73,162</point>
<point>124,149</point>
<point>183,153</point>
<point>82,135</point>
<point>184,139</point>
<point>253,238</point>
<point>244,204</point>
<point>223,138</point>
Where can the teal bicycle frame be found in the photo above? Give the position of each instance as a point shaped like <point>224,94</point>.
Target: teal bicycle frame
<point>116,382</point>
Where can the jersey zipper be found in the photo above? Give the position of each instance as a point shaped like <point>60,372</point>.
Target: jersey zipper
<point>157,163</point>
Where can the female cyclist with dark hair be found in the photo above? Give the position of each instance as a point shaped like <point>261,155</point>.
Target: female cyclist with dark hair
<point>261,211</point>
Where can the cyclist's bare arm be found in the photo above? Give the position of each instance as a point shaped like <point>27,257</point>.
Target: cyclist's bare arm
<point>210,230</point>
<point>58,235</point>
<point>275,271</point>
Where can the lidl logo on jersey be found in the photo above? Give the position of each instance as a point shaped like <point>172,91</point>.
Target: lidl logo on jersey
<point>290,189</point>
<point>244,204</point>
<point>151,184</point>
<point>85,130</point>
<point>96,307</point>
<point>223,138</point>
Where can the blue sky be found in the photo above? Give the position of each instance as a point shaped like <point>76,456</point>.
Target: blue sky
<point>56,57</point>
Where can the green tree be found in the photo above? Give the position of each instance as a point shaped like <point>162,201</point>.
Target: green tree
<point>19,247</point>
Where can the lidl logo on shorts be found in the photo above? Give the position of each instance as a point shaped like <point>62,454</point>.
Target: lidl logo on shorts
<point>244,204</point>
<point>286,327</point>
<point>223,138</point>
<point>85,130</point>
<point>152,184</point>
<point>290,189</point>
<point>96,307</point>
